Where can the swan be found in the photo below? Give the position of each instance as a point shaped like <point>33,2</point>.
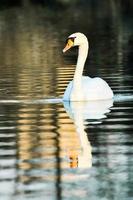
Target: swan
<point>84,88</point>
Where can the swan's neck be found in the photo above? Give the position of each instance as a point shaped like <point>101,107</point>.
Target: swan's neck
<point>82,55</point>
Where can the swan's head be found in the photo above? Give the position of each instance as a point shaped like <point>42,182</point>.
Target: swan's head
<point>75,39</point>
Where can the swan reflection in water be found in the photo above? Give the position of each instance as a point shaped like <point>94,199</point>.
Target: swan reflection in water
<point>91,112</point>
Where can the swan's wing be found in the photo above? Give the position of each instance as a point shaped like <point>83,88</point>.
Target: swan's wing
<point>96,88</point>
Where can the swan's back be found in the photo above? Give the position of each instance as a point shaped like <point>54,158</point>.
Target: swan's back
<point>96,89</point>
<point>92,89</point>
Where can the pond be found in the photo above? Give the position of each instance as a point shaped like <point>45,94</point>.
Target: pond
<point>55,150</point>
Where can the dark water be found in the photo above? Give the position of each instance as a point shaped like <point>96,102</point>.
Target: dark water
<point>49,150</point>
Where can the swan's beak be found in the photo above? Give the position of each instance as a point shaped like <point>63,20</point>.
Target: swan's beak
<point>69,44</point>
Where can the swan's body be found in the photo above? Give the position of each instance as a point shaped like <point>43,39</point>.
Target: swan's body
<point>84,88</point>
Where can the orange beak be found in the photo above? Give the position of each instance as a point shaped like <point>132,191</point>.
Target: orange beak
<point>69,44</point>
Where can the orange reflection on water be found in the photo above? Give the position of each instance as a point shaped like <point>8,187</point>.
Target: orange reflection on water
<point>44,138</point>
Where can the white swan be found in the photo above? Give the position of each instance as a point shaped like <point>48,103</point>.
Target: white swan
<point>84,88</point>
